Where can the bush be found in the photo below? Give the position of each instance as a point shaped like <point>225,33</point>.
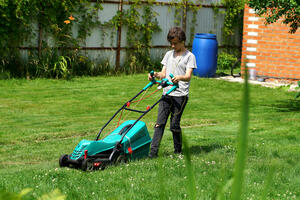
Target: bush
<point>226,61</point>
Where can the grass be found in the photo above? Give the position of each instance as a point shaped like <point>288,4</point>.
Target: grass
<point>42,119</point>
<point>242,144</point>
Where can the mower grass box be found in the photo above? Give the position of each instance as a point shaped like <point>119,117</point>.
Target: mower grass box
<point>136,144</point>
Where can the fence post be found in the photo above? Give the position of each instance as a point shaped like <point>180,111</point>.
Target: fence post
<point>184,15</point>
<point>40,39</point>
<point>119,37</point>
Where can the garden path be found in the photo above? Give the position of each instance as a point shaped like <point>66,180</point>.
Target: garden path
<point>270,82</point>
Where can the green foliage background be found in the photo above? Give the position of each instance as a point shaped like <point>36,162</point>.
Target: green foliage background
<point>17,19</point>
<point>288,10</point>
<point>22,22</point>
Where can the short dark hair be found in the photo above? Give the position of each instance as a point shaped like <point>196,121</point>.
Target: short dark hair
<point>176,32</point>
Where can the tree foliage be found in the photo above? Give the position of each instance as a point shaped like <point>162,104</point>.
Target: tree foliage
<point>232,16</point>
<point>273,10</point>
<point>56,29</point>
<point>18,16</point>
<point>24,22</point>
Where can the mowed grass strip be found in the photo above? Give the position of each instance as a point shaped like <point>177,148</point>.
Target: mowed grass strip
<point>42,119</point>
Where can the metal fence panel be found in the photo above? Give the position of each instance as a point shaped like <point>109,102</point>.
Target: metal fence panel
<point>103,45</point>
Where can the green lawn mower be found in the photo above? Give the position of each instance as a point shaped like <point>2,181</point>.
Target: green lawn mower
<point>128,141</point>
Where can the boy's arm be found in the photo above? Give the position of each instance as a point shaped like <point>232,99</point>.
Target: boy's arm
<point>187,77</point>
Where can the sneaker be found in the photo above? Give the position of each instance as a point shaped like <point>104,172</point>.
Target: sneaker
<point>178,152</point>
<point>152,155</point>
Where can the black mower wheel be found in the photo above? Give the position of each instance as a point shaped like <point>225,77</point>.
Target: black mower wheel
<point>63,161</point>
<point>87,165</point>
<point>121,159</point>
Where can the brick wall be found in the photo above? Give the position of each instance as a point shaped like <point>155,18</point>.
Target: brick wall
<point>271,50</point>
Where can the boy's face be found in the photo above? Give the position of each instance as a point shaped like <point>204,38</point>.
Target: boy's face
<point>177,45</point>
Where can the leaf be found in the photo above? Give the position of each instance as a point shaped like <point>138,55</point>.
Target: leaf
<point>225,188</point>
<point>54,195</point>
<point>242,140</point>
<point>25,191</point>
<point>190,171</point>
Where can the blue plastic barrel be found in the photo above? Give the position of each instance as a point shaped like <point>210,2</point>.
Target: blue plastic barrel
<point>205,49</point>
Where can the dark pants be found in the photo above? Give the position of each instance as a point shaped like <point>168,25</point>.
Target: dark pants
<point>174,106</point>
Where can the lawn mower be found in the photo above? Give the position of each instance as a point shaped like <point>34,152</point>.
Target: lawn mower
<point>128,141</point>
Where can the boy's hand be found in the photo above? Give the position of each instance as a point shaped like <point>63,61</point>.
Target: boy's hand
<point>150,78</point>
<point>176,79</point>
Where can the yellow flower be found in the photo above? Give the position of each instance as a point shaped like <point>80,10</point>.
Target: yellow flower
<point>67,21</point>
<point>71,18</point>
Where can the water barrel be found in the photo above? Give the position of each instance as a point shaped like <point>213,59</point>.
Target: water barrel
<point>205,49</point>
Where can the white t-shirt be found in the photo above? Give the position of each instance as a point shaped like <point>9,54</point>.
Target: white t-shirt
<point>177,66</point>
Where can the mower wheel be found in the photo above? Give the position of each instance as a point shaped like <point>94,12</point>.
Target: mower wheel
<point>87,165</point>
<point>121,159</point>
<point>63,161</point>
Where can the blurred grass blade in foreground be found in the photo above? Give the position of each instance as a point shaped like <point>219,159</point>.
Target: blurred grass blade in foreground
<point>242,142</point>
<point>190,171</point>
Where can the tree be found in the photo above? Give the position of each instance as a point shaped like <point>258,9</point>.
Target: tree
<point>272,10</point>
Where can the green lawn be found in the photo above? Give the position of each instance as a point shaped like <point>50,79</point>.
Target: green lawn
<point>42,119</point>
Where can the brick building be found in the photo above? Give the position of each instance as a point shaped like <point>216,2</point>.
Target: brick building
<point>271,50</point>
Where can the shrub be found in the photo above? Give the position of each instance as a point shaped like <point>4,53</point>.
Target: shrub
<point>226,61</point>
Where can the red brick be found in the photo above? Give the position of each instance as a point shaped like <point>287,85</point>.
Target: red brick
<point>278,52</point>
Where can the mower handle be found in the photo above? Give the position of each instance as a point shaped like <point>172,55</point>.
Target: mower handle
<point>163,83</point>
<point>152,82</point>
<point>174,85</point>
<point>152,74</point>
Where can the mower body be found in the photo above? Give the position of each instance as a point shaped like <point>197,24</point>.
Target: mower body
<point>135,144</point>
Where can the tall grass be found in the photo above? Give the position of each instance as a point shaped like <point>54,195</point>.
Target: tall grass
<point>241,155</point>
<point>189,168</point>
<point>242,142</point>
<point>268,183</point>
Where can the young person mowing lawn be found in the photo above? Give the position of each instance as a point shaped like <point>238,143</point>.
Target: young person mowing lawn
<point>180,62</point>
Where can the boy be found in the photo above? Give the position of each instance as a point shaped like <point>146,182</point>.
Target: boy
<point>180,62</point>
